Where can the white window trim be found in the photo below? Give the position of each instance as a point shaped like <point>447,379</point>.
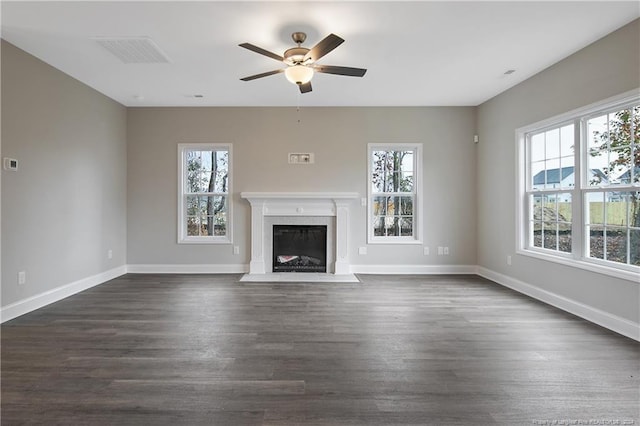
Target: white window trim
<point>576,260</point>
<point>182,234</point>
<point>417,207</point>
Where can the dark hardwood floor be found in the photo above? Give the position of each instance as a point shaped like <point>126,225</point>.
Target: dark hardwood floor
<point>393,350</point>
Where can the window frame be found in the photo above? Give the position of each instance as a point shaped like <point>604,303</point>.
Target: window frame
<point>416,238</point>
<point>183,238</point>
<point>578,256</point>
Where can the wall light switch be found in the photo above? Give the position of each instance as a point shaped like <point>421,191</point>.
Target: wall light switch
<point>446,251</point>
<point>362,250</point>
<point>363,202</point>
<point>426,251</point>
<point>440,251</point>
<point>236,250</point>
<point>22,277</point>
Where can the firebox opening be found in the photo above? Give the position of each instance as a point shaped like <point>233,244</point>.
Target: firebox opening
<point>299,248</point>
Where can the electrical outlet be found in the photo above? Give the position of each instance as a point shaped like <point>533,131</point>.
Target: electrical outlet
<point>110,254</point>
<point>236,250</point>
<point>426,251</point>
<point>440,251</point>
<point>362,250</point>
<point>509,260</point>
<point>22,277</point>
<point>446,251</point>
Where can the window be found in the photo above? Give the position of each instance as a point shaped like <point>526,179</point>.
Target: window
<point>204,205</point>
<point>394,184</point>
<point>580,187</point>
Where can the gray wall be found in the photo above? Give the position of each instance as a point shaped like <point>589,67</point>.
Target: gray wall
<point>261,139</point>
<point>66,206</point>
<point>606,68</point>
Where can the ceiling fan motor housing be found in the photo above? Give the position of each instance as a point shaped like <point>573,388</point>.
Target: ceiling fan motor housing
<point>295,55</point>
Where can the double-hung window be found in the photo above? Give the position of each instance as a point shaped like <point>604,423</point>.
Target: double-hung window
<point>204,205</point>
<point>394,193</point>
<point>580,187</point>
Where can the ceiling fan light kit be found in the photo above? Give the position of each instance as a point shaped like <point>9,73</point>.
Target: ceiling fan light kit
<point>300,61</point>
<point>299,74</point>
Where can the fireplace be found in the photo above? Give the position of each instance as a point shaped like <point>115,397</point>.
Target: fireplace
<point>299,248</point>
<point>330,209</point>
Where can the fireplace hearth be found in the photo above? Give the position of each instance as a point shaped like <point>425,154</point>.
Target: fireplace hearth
<point>299,248</point>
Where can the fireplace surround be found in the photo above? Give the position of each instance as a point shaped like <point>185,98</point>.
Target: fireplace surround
<point>300,208</point>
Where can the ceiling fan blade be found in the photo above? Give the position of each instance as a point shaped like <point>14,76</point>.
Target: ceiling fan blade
<point>330,69</point>
<point>264,74</point>
<point>325,46</point>
<point>305,88</point>
<point>261,51</point>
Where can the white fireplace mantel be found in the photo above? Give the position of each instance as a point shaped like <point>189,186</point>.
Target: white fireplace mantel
<point>316,204</point>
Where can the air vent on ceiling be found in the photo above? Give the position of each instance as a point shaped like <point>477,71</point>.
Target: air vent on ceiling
<point>133,50</point>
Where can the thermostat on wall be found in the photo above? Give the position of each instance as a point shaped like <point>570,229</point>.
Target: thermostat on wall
<point>10,164</point>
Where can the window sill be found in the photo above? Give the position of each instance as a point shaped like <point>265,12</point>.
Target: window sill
<point>394,242</point>
<point>205,240</point>
<point>630,275</point>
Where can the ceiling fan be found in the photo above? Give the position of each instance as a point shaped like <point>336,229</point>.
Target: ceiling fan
<point>301,62</point>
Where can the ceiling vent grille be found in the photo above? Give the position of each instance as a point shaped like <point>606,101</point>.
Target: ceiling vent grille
<point>133,50</point>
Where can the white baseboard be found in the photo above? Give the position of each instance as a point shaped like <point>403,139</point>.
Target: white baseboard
<point>414,269</point>
<point>188,269</point>
<point>612,322</point>
<point>32,303</point>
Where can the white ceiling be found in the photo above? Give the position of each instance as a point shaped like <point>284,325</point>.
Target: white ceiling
<point>417,53</point>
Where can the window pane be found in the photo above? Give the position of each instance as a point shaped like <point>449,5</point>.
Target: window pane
<point>538,175</point>
<point>597,133</point>
<point>596,242</point>
<point>205,180</point>
<point>192,205</point>
<point>597,163</point>
<point>391,226</point>
<point>378,226</point>
<point>564,238</point>
<point>193,181</point>
<point>406,206</point>
<point>206,161</point>
<point>633,205</point>
<point>380,205</point>
<point>549,234</point>
<point>567,143</point>
<point>192,226</point>
<point>564,207</point>
<point>616,244</point>
<point>620,129</point>
<point>406,184</point>
<point>552,143</point>
<point>616,208</point>
<point>193,159</point>
<point>595,202</point>
<point>537,147</point>
<point>634,246</point>
<point>406,226</point>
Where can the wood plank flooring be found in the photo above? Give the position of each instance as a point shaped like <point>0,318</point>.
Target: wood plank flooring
<point>392,350</point>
